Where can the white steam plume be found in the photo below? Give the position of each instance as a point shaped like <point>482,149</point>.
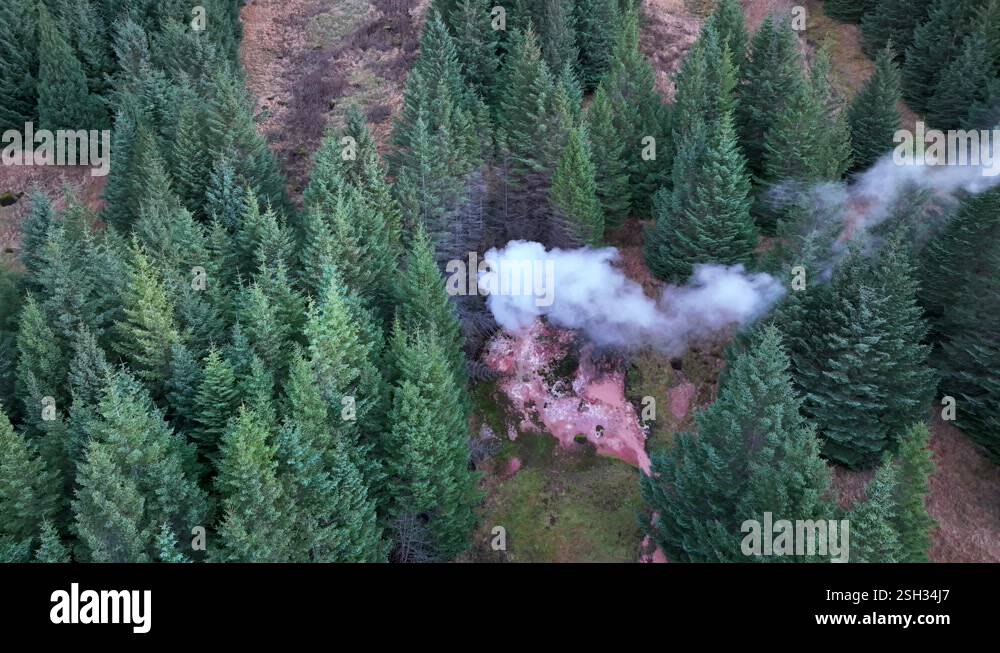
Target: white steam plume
<point>588,293</point>
<point>872,195</point>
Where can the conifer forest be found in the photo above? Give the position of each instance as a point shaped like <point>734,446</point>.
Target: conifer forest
<point>485,281</point>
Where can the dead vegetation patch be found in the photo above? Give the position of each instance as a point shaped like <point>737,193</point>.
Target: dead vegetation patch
<point>308,60</point>
<point>963,498</point>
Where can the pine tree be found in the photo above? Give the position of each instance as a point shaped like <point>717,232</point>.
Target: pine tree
<point>607,150</point>
<point>51,548</point>
<point>256,512</point>
<point>109,511</point>
<point>893,21</point>
<point>335,511</point>
<point>265,328</point>
<point>261,236</point>
<point>962,84</point>
<point>148,329</point>
<point>439,108</point>
<point>166,546</point>
<point>428,445</point>
<point>182,385</point>
<point>117,201</point>
<point>985,114</point>
<point>954,256</point>
<point>18,65</point>
<point>225,196</point>
<point>232,134</point>
<point>562,115</point>
<point>186,54</point>
<point>937,42</point>
<point>133,478</point>
<point>873,532</point>
<point>215,403</point>
<point>87,33</point>
<point>707,218</point>
<point>772,78</point>
<point>639,114</point>
<point>63,99</point>
<point>190,164</point>
<point>11,299</point>
<point>833,127</point>
<point>34,233</point>
<point>167,231</point>
<point>574,191</point>
<point>423,303</point>
<point>40,364</point>
<point>728,20</point>
<point>874,116</point>
<point>595,20</point>
<point>557,34</point>
<point>77,275</point>
<point>138,168</point>
<point>914,468</point>
<point>476,44</point>
<point>849,11</point>
<point>349,220</point>
<point>345,365</point>
<point>525,86</point>
<point>88,369</point>
<point>754,453</point>
<point>27,488</point>
<point>858,357</point>
<point>810,141</point>
<point>963,301</point>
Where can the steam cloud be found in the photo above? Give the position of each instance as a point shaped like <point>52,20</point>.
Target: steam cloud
<point>882,185</point>
<point>589,294</point>
<point>873,194</point>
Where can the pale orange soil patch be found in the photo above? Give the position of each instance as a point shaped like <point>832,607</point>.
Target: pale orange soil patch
<point>588,407</point>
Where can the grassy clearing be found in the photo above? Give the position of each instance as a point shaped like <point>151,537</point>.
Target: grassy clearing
<point>564,505</point>
<point>650,375</point>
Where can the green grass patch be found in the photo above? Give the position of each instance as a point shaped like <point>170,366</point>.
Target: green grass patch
<point>650,375</point>
<point>339,20</point>
<point>566,506</point>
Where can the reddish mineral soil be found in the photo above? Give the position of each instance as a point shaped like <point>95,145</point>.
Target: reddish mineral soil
<point>681,397</point>
<point>513,467</point>
<point>649,552</point>
<point>589,408</point>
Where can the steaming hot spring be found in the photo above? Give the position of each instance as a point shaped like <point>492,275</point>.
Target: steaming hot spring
<point>581,303</point>
<point>577,406</point>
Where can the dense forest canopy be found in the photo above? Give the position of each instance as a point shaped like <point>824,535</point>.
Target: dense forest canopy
<point>209,358</point>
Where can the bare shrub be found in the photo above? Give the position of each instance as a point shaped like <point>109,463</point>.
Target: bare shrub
<point>413,544</point>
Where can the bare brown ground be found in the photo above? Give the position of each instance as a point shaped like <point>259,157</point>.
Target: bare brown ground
<point>851,66</point>
<point>964,497</point>
<point>20,181</point>
<point>669,30</point>
<point>308,60</point>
